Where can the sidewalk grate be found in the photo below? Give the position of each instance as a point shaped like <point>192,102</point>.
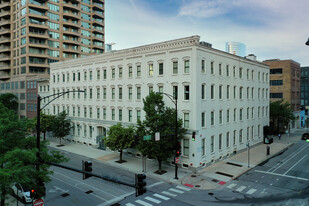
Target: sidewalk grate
<point>221,173</point>
<point>237,165</point>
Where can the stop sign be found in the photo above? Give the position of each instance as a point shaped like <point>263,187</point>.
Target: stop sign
<point>38,202</point>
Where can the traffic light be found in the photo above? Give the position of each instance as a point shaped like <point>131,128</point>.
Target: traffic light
<point>140,184</point>
<point>193,136</point>
<point>87,168</point>
<point>32,193</point>
<point>178,149</point>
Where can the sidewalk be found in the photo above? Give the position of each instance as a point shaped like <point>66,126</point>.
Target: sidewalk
<point>210,177</point>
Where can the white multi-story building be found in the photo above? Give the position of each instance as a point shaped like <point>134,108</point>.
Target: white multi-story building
<point>223,98</point>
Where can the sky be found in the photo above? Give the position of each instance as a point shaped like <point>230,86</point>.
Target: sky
<point>270,29</point>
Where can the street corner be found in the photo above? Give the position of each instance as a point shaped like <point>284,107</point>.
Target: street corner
<point>199,182</point>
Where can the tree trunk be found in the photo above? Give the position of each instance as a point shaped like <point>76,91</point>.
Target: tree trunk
<point>120,155</point>
<point>60,139</point>
<point>160,166</point>
<point>44,136</point>
<point>3,194</point>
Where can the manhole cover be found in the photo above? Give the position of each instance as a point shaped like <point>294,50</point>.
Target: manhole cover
<point>197,185</point>
<point>210,193</point>
<point>65,194</point>
<point>89,191</point>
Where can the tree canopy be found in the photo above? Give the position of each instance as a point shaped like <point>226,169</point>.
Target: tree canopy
<point>10,101</point>
<point>61,126</point>
<point>161,119</point>
<point>120,138</point>
<point>18,153</point>
<point>280,115</point>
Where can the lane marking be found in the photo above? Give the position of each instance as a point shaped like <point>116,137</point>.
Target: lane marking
<point>168,193</point>
<point>78,188</point>
<point>153,200</point>
<point>143,203</point>
<point>286,160</point>
<point>288,176</point>
<point>183,188</point>
<point>155,184</point>
<point>129,204</point>
<point>231,185</point>
<point>295,164</point>
<point>161,196</point>
<point>177,191</point>
<point>241,188</point>
<point>251,191</point>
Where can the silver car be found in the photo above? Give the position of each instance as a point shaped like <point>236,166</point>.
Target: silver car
<point>22,192</point>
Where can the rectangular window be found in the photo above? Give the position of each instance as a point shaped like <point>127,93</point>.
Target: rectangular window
<point>186,147</point>
<point>90,112</point>
<point>113,73</point>
<point>203,91</point>
<point>212,118</point>
<point>220,141</point>
<point>203,143</point>
<point>227,139</point>
<point>187,92</point>
<point>203,119</point>
<point>212,67</point>
<point>138,93</point>
<point>104,113</point>
<point>130,115</point>
<point>220,69</point>
<point>160,68</point>
<point>98,113</point>
<point>160,89</point>
<point>203,66</point>
<point>212,144</point>
<point>276,95</point>
<point>227,70</point>
<point>228,115</point>
<point>276,82</point>
<point>90,75</point>
<point>234,115</point>
<point>85,112</point>
<point>212,91</point>
<point>98,74</point>
<point>138,70</point>
<point>240,136</point>
<point>240,114</point>
<point>175,67</point>
<point>113,114</point>
<point>120,72</point>
<point>120,93</point>
<point>276,71</point>
<point>150,88</point>
<point>78,111</point>
<point>150,70</point>
<point>220,92</point>
<point>104,73</point>
<point>120,114</point>
<point>130,71</point>
<point>98,93</point>
<point>228,92</point>
<point>113,93</point>
<point>85,75</point>
<point>220,117</point>
<point>104,93</point>
<point>130,93</point>
<point>138,115</point>
<point>175,92</point>
<point>186,120</point>
<point>186,66</point>
<point>90,93</point>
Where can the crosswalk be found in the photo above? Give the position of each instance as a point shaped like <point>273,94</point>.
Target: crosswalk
<point>156,198</point>
<point>244,189</point>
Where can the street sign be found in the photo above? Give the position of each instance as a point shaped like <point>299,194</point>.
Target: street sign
<point>157,136</point>
<point>147,137</point>
<point>38,202</point>
<point>177,160</point>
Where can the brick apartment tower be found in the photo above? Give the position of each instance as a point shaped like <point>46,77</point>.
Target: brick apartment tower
<point>285,81</point>
<point>34,33</point>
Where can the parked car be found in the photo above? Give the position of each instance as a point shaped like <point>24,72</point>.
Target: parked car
<point>22,192</point>
<point>305,136</point>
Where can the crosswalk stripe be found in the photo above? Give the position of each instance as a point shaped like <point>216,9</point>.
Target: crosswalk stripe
<point>153,200</point>
<point>231,185</point>
<point>129,204</point>
<point>177,191</point>
<point>183,188</point>
<point>241,188</point>
<point>161,196</point>
<point>168,193</point>
<point>143,203</point>
<point>251,191</point>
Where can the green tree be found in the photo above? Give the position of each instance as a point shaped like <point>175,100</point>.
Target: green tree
<point>161,119</point>
<point>18,153</point>
<point>61,126</point>
<point>46,123</point>
<point>120,138</point>
<point>10,101</point>
<point>280,115</point>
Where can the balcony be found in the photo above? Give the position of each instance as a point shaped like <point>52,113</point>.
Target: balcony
<point>39,55</point>
<point>4,66</point>
<point>71,49</point>
<point>4,5</point>
<point>4,13</point>
<point>98,38</point>
<point>5,31</point>
<point>4,75</point>
<point>5,48</point>
<point>4,40</point>
<point>38,34</point>
<point>72,32</point>
<point>5,22</point>
<point>38,63</point>
<point>37,5</point>
<point>4,57</point>
<point>96,13</point>
<point>71,23</point>
<point>36,14</point>
<point>96,30</point>
<point>98,46</point>
<point>74,7</point>
<point>70,14</point>
<point>71,41</point>
<point>38,45</point>
<point>98,6</point>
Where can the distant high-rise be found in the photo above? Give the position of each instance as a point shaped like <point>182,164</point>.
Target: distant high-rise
<point>34,33</point>
<point>236,48</point>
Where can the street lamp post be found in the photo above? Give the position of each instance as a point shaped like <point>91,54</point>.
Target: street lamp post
<point>38,125</point>
<point>174,100</point>
<point>248,145</point>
